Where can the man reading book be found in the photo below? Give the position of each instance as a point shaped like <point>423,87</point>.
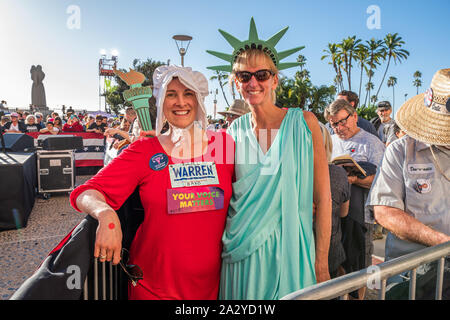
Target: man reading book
<point>362,147</point>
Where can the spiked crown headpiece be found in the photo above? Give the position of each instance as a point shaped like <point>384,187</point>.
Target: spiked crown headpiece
<point>254,42</point>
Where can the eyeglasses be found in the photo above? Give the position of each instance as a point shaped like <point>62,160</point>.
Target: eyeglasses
<point>260,75</point>
<point>340,122</point>
<point>134,272</point>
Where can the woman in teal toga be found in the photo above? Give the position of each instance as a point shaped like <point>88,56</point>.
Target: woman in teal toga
<point>281,169</point>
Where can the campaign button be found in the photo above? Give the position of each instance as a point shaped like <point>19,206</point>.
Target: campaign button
<point>159,161</point>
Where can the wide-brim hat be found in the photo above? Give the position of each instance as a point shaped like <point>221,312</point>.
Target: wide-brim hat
<point>426,117</point>
<point>238,108</point>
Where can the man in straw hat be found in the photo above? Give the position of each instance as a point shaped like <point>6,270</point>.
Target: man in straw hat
<point>410,194</point>
<point>237,109</point>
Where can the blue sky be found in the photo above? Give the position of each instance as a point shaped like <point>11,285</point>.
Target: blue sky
<point>36,32</point>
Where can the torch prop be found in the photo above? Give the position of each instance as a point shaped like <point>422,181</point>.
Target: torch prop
<point>138,96</point>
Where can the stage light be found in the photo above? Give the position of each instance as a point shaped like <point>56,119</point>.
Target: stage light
<point>103,52</point>
<point>114,53</point>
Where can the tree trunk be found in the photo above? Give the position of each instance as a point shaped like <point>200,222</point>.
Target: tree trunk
<point>384,76</point>
<point>221,88</point>
<point>393,98</point>
<point>360,83</point>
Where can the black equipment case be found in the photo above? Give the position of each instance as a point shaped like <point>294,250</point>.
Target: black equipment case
<point>56,171</point>
<point>60,142</point>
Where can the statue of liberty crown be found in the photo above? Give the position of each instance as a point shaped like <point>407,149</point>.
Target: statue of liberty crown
<point>254,42</point>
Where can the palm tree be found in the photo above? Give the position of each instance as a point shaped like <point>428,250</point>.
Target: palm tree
<point>417,80</point>
<point>361,54</point>
<point>221,77</point>
<point>301,59</point>
<point>375,54</point>
<point>332,53</point>
<point>373,99</point>
<point>347,48</point>
<point>393,44</point>
<point>369,87</point>
<point>392,81</point>
<point>320,98</point>
<point>417,83</point>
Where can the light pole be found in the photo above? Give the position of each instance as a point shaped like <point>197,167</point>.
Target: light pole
<point>215,101</point>
<point>181,41</point>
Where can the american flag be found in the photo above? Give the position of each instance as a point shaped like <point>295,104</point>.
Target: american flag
<point>93,151</point>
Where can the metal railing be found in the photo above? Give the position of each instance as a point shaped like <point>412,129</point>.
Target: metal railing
<point>342,286</point>
<point>103,282</point>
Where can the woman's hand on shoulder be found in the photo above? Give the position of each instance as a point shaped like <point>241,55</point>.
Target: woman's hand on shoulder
<point>150,133</point>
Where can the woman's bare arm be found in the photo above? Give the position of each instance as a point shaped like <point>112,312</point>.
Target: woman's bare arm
<point>109,233</point>
<point>322,198</point>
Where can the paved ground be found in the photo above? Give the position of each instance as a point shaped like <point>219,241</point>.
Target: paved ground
<point>21,251</point>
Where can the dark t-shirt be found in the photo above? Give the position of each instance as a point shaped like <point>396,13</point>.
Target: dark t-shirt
<point>33,127</point>
<point>340,193</point>
<point>96,126</point>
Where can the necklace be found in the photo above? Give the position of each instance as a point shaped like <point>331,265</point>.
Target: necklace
<point>437,164</point>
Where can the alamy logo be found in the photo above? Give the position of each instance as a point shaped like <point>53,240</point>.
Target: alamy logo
<point>74,20</point>
<point>74,280</point>
<point>374,20</point>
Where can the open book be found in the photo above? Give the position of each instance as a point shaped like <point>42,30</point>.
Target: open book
<point>350,165</point>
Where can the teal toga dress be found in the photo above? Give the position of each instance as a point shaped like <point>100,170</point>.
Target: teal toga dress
<point>268,243</point>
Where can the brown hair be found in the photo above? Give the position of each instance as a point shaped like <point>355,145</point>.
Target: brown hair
<point>351,96</point>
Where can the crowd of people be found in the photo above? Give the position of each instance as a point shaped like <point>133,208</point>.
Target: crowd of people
<point>54,123</point>
<point>244,229</point>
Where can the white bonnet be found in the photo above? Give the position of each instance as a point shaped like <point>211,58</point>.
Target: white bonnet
<point>193,80</point>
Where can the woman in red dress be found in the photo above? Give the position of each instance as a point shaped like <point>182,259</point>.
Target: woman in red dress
<point>184,178</point>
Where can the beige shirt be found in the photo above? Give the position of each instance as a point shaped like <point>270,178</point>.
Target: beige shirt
<point>410,180</point>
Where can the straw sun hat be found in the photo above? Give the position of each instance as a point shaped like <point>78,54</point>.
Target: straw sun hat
<point>238,108</point>
<point>426,117</point>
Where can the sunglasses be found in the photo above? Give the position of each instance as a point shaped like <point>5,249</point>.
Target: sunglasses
<point>260,75</point>
<point>340,122</point>
<point>134,272</point>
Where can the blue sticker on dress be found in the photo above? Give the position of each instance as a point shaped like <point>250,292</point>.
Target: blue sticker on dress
<point>159,161</point>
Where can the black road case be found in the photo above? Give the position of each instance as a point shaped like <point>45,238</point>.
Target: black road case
<point>56,171</point>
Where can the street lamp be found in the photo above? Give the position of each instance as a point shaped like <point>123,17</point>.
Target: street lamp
<point>215,101</point>
<point>181,41</point>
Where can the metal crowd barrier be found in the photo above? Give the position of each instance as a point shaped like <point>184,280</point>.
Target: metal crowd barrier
<point>103,282</point>
<point>342,286</point>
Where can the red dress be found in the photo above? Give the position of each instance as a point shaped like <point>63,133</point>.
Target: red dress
<point>178,245</point>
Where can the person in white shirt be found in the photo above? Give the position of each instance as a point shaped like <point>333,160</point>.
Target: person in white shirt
<point>362,146</point>
<point>50,128</point>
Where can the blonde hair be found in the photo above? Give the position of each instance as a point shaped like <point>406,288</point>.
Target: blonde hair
<point>252,58</point>
<point>327,142</point>
<point>27,119</point>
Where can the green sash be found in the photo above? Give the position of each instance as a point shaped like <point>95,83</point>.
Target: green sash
<point>268,243</point>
